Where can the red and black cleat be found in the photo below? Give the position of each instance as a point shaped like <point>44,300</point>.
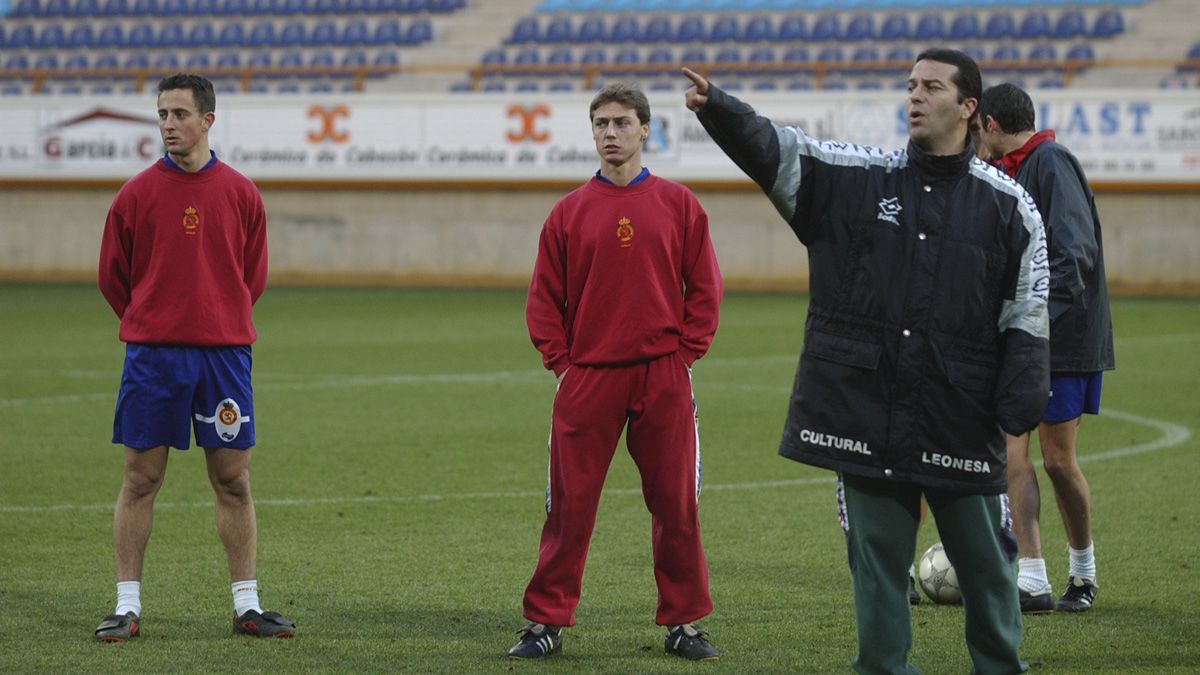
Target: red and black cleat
<point>118,627</point>
<point>267,624</point>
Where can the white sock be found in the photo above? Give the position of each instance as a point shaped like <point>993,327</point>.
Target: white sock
<point>1083,563</point>
<point>245,596</point>
<point>912,572</point>
<point>1031,575</point>
<point>129,598</point>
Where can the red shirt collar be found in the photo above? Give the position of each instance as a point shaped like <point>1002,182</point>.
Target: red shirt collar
<point>1013,160</point>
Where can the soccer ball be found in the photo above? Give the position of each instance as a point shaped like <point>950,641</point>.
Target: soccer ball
<point>937,576</point>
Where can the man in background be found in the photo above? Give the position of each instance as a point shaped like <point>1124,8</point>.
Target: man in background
<point>623,301</point>
<point>182,261</point>
<point>1081,344</point>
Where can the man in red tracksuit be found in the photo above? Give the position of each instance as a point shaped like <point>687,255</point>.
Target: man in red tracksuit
<point>624,299</point>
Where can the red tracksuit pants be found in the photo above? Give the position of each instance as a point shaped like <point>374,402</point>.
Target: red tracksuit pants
<point>591,408</point>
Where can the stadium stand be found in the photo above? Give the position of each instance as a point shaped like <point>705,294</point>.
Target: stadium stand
<point>544,45</point>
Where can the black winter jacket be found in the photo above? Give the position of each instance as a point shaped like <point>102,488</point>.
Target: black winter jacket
<point>1081,339</point>
<point>926,335</point>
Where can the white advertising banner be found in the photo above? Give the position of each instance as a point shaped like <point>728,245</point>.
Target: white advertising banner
<point>1120,136</point>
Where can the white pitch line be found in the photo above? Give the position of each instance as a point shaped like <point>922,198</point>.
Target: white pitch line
<point>1172,435</point>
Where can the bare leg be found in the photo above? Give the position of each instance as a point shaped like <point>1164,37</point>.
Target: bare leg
<point>1070,487</point>
<point>229,473</point>
<point>134,514</point>
<point>1024,497</point>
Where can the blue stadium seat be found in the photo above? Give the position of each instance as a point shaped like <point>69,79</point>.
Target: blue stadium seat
<point>591,29</point>
<point>765,85</point>
<point>388,33</point>
<point>661,85</point>
<point>724,29</point>
<point>1036,24</point>
<point>527,86</point>
<point>81,36</point>
<point>792,29</point>
<point>1000,25</point>
<point>21,37</point>
<point>965,26</point>
<point>763,58</point>
<point>387,58</point>
<point>101,90</point>
<point>114,8</point>
<point>657,29</point>
<point>694,56</point>
<point>290,7</point>
<point>494,57</point>
<point>320,88</point>
<point>930,27</point>
<point>593,57</point>
<point>827,27</point>
<point>831,55</point>
<point>201,34</point>
<point>799,85</point>
<point>562,57</point>
<point>796,57</point>
<point>494,87</point>
<point>172,8</point>
<point>625,29</point>
<point>20,61</point>
<point>860,27</point>
<point>113,36</point>
<point>869,85</point>
<point>321,59</point>
<point>71,89</point>
<point>1081,52</point>
<point>690,29</point>
<point>262,33</point>
<point>460,87</point>
<point>46,62</point>
<point>419,32</point>
<point>1052,82</point>
<point>26,8</point>
<point>758,29</point>
<point>263,8</point>
<point>229,60</point>
<point>1006,52</point>
<point>974,51</point>
<point>525,31</point>
<point>560,86</point>
<point>145,8</point>
<point>895,27</point>
<point>560,29</point>
<point>55,8</point>
<point>204,7</point>
<point>77,62</point>
<point>234,7</point>
<point>663,57</point>
<point>1042,52</point>
<point>263,59</point>
<point>1108,23</point>
<point>257,88</point>
<point>901,54</point>
<point>232,34</point>
<point>166,63</point>
<point>355,33</point>
<point>530,56</point>
<point>323,33</point>
<point>357,6</point>
<point>291,59</point>
<point>170,35</point>
<point>834,85</point>
<point>1070,24</point>
<point>353,58</point>
<point>725,57</point>
<point>326,6</point>
<point>624,57</point>
<point>198,61</point>
<point>862,55</point>
<point>83,8</point>
<point>294,34</point>
<point>288,88</point>
<point>52,37</point>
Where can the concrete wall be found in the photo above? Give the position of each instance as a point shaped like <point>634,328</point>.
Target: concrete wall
<point>484,237</point>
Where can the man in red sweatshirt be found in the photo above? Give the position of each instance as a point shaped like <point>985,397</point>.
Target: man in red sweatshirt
<point>624,299</point>
<point>182,261</point>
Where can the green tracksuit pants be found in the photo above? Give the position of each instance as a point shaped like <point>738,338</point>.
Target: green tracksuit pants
<point>880,519</point>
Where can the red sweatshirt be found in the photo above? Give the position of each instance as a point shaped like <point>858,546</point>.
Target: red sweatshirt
<point>624,275</point>
<point>184,256</point>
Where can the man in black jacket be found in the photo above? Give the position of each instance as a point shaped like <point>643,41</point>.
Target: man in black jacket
<point>1081,343</point>
<point>926,341</point>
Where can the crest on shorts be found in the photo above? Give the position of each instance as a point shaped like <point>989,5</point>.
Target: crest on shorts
<point>227,418</point>
<point>625,233</point>
<point>191,220</point>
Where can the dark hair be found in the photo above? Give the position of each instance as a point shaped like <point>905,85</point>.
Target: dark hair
<point>968,80</point>
<point>202,89</point>
<point>1010,106</point>
<point>627,95</point>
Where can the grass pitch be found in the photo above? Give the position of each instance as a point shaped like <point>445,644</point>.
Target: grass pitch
<point>399,482</point>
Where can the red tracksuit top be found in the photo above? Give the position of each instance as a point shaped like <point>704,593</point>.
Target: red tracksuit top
<point>624,275</point>
<point>184,256</point>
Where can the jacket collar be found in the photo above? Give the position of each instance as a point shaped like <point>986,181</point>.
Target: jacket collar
<point>941,166</point>
<point>1011,162</point>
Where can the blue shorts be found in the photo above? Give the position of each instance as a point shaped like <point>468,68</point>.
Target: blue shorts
<point>1072,395</point>
<point>167,392</point>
